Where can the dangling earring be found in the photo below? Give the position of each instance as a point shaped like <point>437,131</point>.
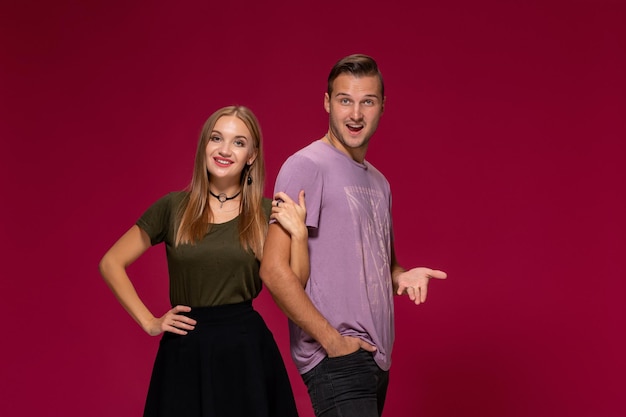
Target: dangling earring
<point>249,179</point>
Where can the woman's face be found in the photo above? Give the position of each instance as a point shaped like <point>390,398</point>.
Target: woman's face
<point>229,148</point>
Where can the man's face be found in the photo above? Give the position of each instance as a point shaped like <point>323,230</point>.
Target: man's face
<point>354,111</point>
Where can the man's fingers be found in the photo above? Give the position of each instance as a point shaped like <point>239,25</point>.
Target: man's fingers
<point>422,294</point>
<point>435,273</point>
<point>412,293</point>
<point>366,346</point>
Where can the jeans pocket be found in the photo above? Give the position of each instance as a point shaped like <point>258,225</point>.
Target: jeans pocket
<point>356,354</point>
<point>344,385</point>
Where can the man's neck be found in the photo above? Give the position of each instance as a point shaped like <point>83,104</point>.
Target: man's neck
<point>357,154</point>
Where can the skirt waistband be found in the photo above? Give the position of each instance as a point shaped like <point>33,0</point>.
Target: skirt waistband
<point>220,312</point>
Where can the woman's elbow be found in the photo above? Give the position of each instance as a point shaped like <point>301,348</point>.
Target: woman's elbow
<point>106,265</point>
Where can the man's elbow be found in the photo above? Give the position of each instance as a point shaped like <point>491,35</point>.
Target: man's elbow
<point>275,272</point>
<point>268,271</point>
<point>264,271</point>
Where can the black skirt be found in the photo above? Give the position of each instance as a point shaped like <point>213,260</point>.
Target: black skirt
<point>229,365</point>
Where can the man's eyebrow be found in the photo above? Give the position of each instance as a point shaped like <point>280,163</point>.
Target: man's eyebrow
<point>366,95</point>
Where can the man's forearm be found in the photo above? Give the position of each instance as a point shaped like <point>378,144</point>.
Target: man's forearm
<point>291,298</point>
<point>288,291</point>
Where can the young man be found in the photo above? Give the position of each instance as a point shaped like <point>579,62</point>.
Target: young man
<point>341,320</point>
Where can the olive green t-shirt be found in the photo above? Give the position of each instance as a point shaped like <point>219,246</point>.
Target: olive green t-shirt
<point>213,271</point>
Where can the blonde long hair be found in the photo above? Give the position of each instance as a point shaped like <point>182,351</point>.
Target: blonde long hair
<point>195,214</point>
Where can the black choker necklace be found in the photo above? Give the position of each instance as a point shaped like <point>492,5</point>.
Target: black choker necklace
<point>222,198</point>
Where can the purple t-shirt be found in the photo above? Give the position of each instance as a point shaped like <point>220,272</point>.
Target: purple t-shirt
<point>350,231</point>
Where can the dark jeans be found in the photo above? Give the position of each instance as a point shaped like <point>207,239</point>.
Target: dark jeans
<point>347,386</point>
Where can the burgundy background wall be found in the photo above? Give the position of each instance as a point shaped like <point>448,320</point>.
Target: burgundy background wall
<point>503,139</point>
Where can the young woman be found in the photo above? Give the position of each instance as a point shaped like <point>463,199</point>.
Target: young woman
<point>216,356</point>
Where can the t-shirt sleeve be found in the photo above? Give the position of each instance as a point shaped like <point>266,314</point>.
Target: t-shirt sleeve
<point>300,173</point>
<point>155,221</point>
<point>266,205</point>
